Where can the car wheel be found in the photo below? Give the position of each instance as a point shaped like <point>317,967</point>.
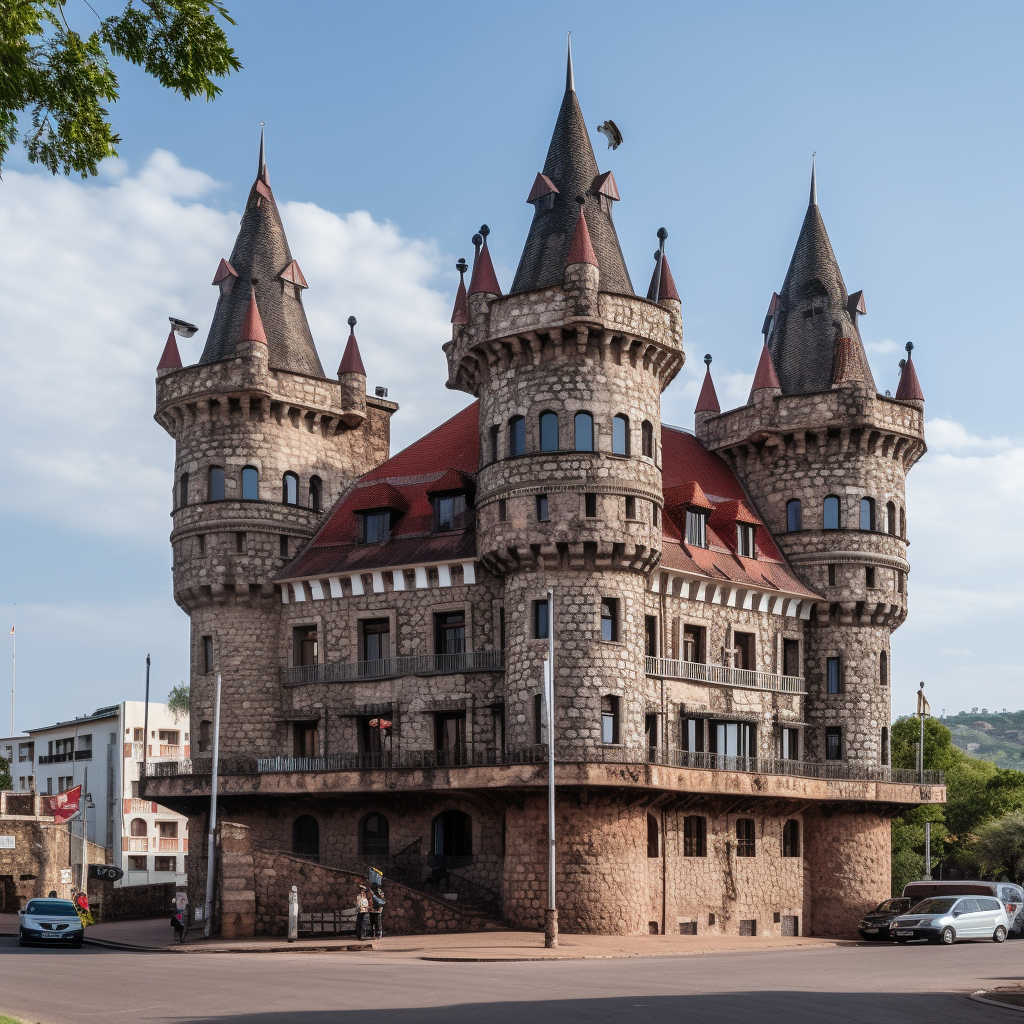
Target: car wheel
<point>999,935</point>
<point>947,937</point>
<point>21,938</point>
<point>77,944</point>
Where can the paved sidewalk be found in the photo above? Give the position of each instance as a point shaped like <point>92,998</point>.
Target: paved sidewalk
<point>156,935</point>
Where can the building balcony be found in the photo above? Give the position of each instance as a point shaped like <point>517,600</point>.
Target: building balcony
<point>55,758</point>
<point>387,668</point>
<point>137,845</point>
<point>722,675</point>
<point>163,845</point>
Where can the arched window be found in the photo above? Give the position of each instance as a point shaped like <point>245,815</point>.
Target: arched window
<point>647,439</point>
<point>517,436</point>
<point>138,827</point>
<point>452,835</point>
<point>183,490</point>
<point>250,484</point>
<point>890,518</point>
<point>216,484</point>
<point>620,435</point>
<point>290,489</point>
<point>653,837</point>
<point>794,515</point>
<point>316,493</point>
<point>374,836</point>
<point>831,513</point>
<point>867,513</point>
<point>583,424</point>
<point>903,523</point>
<point>306,837</point>
<point>549,432</point>
<point>883,668</point>
<point>791,838</point>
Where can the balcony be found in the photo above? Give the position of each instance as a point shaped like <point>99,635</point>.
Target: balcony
<point>55,758</point>
<point>387,668</point>
<point>137,845</point>
<point>83,755</point>
<point>167,845</point>
<point>172,750</point>
<point>722,675</point>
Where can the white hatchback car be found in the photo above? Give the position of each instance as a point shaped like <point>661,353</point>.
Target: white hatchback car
<point>50,922</point>
<point>948,918</point>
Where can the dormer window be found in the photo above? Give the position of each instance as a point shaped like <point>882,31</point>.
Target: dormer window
<point>447,511</point>
<point>374,527</point>
<point>696,529</point>
<point>816,308</point>
<point>745,540</point>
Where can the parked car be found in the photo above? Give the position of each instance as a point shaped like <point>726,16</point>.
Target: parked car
<point>1009,894</point>
<point>948,918</point>
<point>875,925</point>
<point>51,922</point>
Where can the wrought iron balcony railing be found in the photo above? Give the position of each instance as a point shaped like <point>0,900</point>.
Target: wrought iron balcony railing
<point>722,675</point>
<point>386,668</point>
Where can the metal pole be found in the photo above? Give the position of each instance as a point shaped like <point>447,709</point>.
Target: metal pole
<point>208,910</point>
<point>551,914</point>
<point>920,754</point>
<point>145,722</point>
<point>85,831</point>
<point>927,851</point>
<point>14,642</point>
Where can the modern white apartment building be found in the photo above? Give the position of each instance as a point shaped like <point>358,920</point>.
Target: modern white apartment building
<point>20,752</point>
<point>104,752</point>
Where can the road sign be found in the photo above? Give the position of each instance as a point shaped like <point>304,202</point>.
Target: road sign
<point>6,842</point>
<point>105,872</point>
<point>65,876</point>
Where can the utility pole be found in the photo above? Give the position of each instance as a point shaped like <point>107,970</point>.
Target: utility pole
<point>145,723</point>
<point>208,910</point>
<point>85,830</point>
<point>551,914</point>
<point>14,641</point>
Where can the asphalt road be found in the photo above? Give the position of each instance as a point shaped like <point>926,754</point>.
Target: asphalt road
<point>908,984</point>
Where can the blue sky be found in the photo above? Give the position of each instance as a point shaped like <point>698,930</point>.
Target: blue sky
<point>393,131</point>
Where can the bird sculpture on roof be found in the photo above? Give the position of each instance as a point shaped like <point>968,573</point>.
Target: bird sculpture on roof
<point>610,130</point>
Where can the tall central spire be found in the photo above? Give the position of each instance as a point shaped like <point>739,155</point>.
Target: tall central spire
<point>572,169</point>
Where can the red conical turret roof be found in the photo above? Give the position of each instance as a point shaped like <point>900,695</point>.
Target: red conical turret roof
<point>581,250</point>
<point>351,361</point>
<point>708,400</point>
<point>170,360</point>
<point>252,325</point>
<point>484,279</point>
<point>460,314</point>
<point>909,389</point>
<point>765,377</point>
<point>668,285</point>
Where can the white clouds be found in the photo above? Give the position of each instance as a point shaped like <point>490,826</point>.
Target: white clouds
<point>91,273</point>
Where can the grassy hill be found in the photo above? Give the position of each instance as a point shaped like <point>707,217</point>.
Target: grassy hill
<point>990,735</point>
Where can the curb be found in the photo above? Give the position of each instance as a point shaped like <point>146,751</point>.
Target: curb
<point>980,997</point>
<point>196,948</point>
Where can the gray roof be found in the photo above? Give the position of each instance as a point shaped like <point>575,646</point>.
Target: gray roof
<point>260,254</point>
<point>571,165</point>
<point>812,313</point>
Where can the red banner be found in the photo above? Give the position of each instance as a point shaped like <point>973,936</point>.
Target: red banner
<point>65,805</point>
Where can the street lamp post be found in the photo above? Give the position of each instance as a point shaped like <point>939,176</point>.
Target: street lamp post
<point>923,712</point>
<point>208,909</point>
<point>551,913</point>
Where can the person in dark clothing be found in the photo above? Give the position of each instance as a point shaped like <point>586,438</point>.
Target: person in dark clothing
<point>377,902</point>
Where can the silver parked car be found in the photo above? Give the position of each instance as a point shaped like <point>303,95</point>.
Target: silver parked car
<point>50,922</point>
<point>948,918</point>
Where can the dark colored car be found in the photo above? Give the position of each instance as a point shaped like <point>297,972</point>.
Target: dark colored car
<point>875,925</point>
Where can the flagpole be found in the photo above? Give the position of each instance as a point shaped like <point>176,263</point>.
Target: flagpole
<point>14,641</point>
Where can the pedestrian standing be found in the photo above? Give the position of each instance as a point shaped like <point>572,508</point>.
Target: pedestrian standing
<point>377,911</point>
<point>362,912</point>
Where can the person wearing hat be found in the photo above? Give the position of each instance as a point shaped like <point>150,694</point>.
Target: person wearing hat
<point>362,911</point>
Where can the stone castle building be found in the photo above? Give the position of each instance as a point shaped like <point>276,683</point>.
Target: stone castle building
<point>722,601</point>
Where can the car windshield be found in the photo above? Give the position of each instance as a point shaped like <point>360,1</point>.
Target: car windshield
<point>891,907</point>
<point>52,908</point>
<point>940,905</point>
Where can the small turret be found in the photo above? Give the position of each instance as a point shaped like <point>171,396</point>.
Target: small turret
<point>707,401</point>
<point>582,271</point>
<point>170,359</point>
<point>352,378</point>
<point>909,389</point>
<point>460,314</point>
<point>766,380</point>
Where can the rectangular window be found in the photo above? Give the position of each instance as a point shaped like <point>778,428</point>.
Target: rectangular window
<point>733,739</point>
<point>207,660</point>
<point>65,782</point>
<point>168,829</point>
<point>538,718</point>
<point>201,543</point>
<point>833,743</point>
<point>240,542</point>
<point>169,736</point>
<point>692,735</point>
<point>501,626</point>
<point>448,512</point>
<point>834,675</point>
<point>376,639</point>
<point>83,748</point>
<point>899,581</point>
<point>743,650</point>
<point>655,513</point>
<point>169,864</point>
<point>450,737</point>
<point>687,927</point>
<point>609,719</point>
<point>284,545</point>
<point>450,633</point>
<point>831,575</point>
<point>790,657</point>
<point>139,735</point>
<point>306,647</point>
<point>495,432</point>
<point>695,839</point>
<point>137,864</point>
<point>651,733</point>
<point>374,527</point>
<point>370,739</point>
<point>630,507</point>
<point>748,927</point>
<point>651,636</point>
<point>542,507</point>
<point>517,436</point>
<point>540,620</point>
<point>746,844</point>
<point>745,540</point>
<point>502,510</point>
<point>869,577</point>
<point>789,744</point>
<point>304,739</point>
<point>693,643</point>
<point>590,506</point>
<point>609,619</point>
<point>696,529</point>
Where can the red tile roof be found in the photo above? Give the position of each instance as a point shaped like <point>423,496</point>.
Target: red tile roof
<point>604,185</point>
<point>252,325</point>
<point>484,279</point>
<point>542,186</point>
<point>460,314</point>
<point>765,377</point>
<point>453,480</point>
<point>581,250</point>
<point>379,495</point>
<point>668,284</point>
<point>293,274</point>
<point>909,389</point>
<point>170,360</point>
<point>351,361</point>
<point>224,269</point>
<point>707,401</point>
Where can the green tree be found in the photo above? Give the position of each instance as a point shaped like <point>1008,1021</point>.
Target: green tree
<point>55,81</point>
<point>6,782</point>
<point>177,700</point>
<point>999,846</point>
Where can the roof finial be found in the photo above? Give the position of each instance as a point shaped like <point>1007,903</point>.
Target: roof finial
<point>462,266</point>
<point>707,360</point>
<point>570,83</point>
<point>910,348</point>
<point>261,171</point>
<point>477,240</point>
<point>352,324</point>
<point>660,257</point>
<point>814,182</point>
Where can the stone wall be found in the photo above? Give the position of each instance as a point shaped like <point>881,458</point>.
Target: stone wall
<point>131,902</point>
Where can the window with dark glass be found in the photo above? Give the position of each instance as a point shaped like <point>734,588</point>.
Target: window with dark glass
<point>376,639</point>
<point>583,431</point>
<point>609,618</point>
<point>890,518</point>
<point>609,719</point>
<point>501,626</point>
<point>495,433</point>
<point>371,739</point>
<point>205,736</point>
<point>791,838</point>
<point>305,737</point>
<point>691,735</point>
<point>183,490</point>
<point>653,837</point>
<point>290,489</point>
<point>216,486</point>
<point>696,529</point>
<point>306,647</point>
<point>651,734</point>
<point>549,432</point>
<point>651,636</point>
<point>885,746</point>
<point>502,510</point>
<point>590,506</point>
<point>630,507</point>
<point>450,632</point>
<point>899,581</point>
<point>833,674</point>
<point>831,575</point>
<point>538,718</point>
<point>620,435</point>
<point>733,739</point>
<point>746,843</point>
<point>695,836</point>
<point>250,483</point>
<point>448,511</point>
<point>789,744</point>
<point>207,653</point>
<point>316,488</point>
<point>831,513</point>
<point>450,736</point>
<point>883,669</point>
<point>903,523</point>
<point>452,835</point>
<point>306,837</point>
<point>647,439</point>
<point>794,515</point>
<point>284,545</point>
<point>867,513</point>
<point>790,657</point>
<point>542,507</point>
<point>374,527</point>
<point>693,643</point>
<point>240,542</point>
<point>834,743</point>
<point>374,836</point>
<point>517,436</point>
<point>869,576</point>
<point>743,650</point>
<point>745,540</point>
<point>540,620</point>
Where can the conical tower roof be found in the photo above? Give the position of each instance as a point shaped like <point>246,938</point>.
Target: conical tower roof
<point>260,255</point>
<point>909,389</point>
<point>707,400</point>
<point>170,358</point>
<point>812,311</point>
<point>572,168</point>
